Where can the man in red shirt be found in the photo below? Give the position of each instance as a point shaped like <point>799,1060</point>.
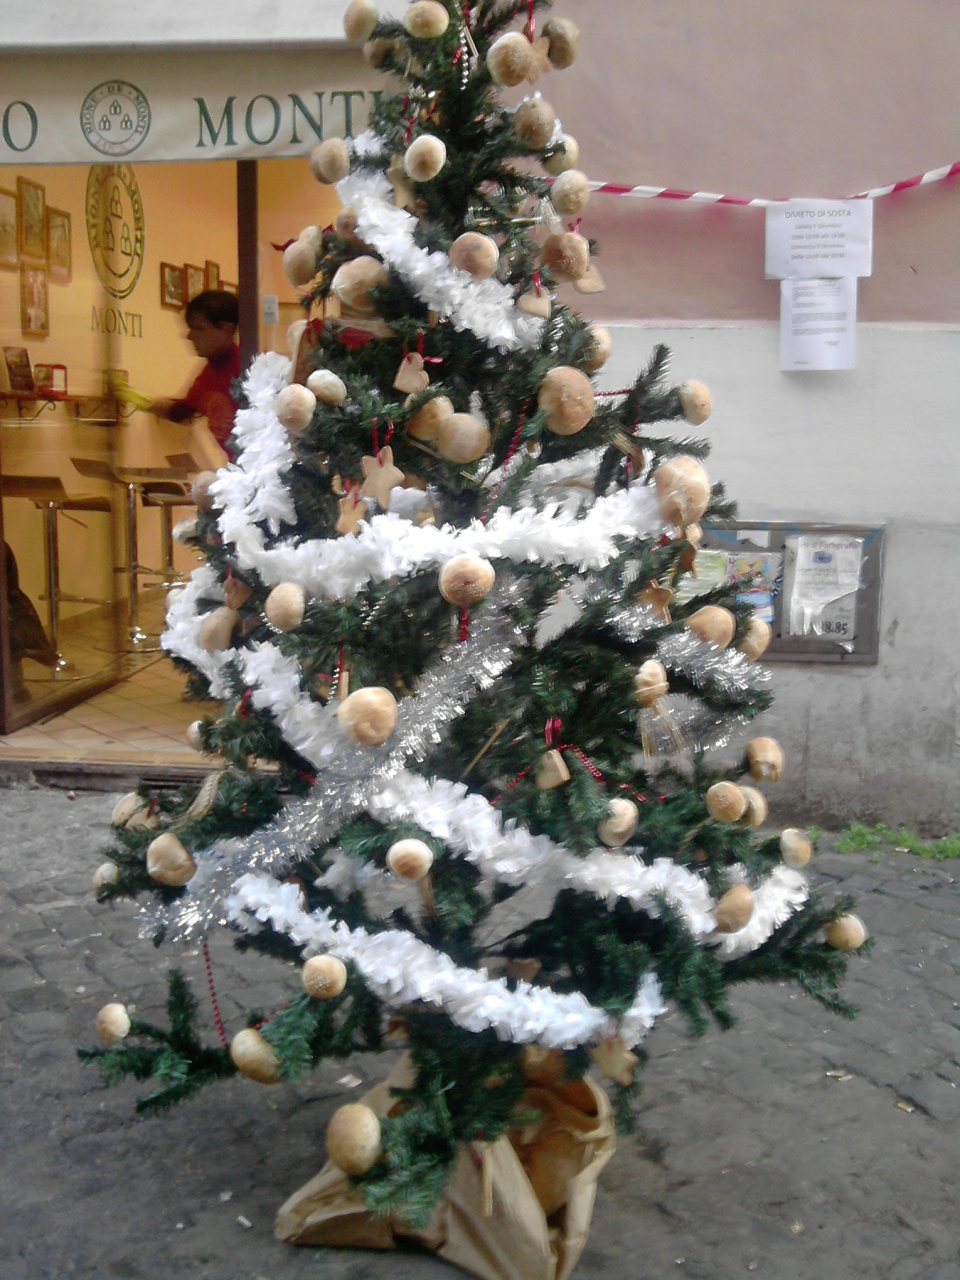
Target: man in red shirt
<point>212,318</point>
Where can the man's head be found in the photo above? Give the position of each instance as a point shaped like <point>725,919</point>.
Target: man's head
<point>212,319</point>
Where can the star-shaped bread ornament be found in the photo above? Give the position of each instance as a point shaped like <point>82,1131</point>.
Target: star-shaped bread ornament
<point>380,476</point>
<point>404,196</point>
<point>353,510</point>
<point>614,1060</point>
<point>539,62</point>
<point>658,598</point>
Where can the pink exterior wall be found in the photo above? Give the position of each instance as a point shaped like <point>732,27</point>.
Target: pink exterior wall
<point>763,98</point>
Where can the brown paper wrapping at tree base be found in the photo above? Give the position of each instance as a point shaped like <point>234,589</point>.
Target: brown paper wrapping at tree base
<point>490,1220</point>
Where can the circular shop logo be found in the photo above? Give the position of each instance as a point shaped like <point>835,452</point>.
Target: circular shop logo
<point>115,118</point>
<point>115,226</point>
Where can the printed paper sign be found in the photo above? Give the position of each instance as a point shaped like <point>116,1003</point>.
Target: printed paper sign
<point>818,324</point>
<point>817,239</point>
<point>822,577</point>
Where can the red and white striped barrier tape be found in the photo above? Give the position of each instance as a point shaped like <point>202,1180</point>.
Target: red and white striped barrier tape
<point>713,197</point>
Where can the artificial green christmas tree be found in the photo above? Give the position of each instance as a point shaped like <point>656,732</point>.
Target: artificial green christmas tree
<point>468,729</point>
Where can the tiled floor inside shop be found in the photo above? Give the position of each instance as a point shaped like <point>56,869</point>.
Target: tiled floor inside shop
<point>140,721</point>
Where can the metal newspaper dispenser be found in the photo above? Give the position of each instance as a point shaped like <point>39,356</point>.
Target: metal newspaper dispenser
<point>818,585</point>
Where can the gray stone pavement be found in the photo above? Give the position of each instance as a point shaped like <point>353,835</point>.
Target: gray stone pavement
<point>796,1145</point>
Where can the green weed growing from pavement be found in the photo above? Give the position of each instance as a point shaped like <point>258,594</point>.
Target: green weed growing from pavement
<point>860,837</point>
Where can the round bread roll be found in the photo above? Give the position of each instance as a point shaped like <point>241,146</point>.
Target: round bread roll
<point>295,406</point>
<point>359,20</point>
<point>354,280</point>
<point>424,158</point>
<point>713,625</point>
<point>285,606</point>
<point>509,59</point>
<point>695,401</point>
<point>620,823</point>
<point>353,1139</point>
<point>254,1057</point>
<point>734,909</point>
<point>683,489</point>
<point>795,849</point>
<point>168,862</point>
<point>300,263</point>
<point>323,977</point>
<point>462,438</point>
<point>566,153</point>
<point>466,580</point>
<point>757,635</point>
<point>599,348</point>
<point>327,387</point>
<point>566,255</point>
<point>113,1023</point>
<point>765,759</point>
<point>650,683</point>
<point>846,933</point>
<point>125,808</point>
<point>755,814</point>
<point>330,161</point>
<point>425,423</point>
<point>564,38</point>
<point>726,802</point>
<point>410,859</point>
<point>476,254</point>
<point>567,398</point>
<point>570,193</point>
<point>426,20</point>
<point>216,630</point>
<point>534,121</point>
<point>105,876</point>
<point>369,716</point>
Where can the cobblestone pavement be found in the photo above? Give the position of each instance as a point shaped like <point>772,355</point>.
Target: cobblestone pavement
<point>797,1145</point>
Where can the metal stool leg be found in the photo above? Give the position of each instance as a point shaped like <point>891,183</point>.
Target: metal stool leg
<point>166,542</point>
<point>133,584</point>
<point>51,551</point>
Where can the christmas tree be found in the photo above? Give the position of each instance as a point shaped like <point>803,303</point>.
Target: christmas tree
<point>470,713</point>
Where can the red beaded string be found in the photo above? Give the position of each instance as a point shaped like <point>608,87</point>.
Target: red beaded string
<point>463,633</point>
<point>213,995</point>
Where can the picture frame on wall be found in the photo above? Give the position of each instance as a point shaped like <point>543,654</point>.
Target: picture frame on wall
<point>9,260</point>
<point>194,281</point>
<point>211,274</point>
<point>50,378</point>
<point>19,373</point>
<point>229,287</point>
<point>31,220</point>
<point>59,246</point>
<point>172,286</point>
<point>34,301</point>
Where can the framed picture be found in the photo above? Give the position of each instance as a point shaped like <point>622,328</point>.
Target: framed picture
<point>171,286</point>
<point>59,249</point>
<point>228,287</point>
<point>211,274</point>
<point>51,378</point>
<point>34,301</point>
<point>194,281</point>
<point>19,373</point>
<point>8,230</point>
<point>31,220</point>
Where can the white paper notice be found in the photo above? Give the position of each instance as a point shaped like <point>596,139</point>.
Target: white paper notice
<point>812,239</point>
<point>818,323</point>
<point>821,580</point>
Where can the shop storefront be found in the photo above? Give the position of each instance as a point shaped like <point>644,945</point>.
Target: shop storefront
<point>129,182</point>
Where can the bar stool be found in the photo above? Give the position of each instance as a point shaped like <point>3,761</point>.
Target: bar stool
<point>158,487</point>
<point>49,496</point>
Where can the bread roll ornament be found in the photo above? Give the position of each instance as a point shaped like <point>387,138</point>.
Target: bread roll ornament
<point>425,423</point>
<point>600,346</point>
<point>695,401</point>
<point>125,808</point>
<point>200,490</point>
<point>345,224</point>
<point>327,387</point>
<point>564,38</point>
<point>216,630</point>
<point>323,977</point>
<point>650,683</point>
<point>846,933</point>
<point>410,859</point>
<point>354,280</point>
<point>795,849</point>
<point>552,771</point>
<point>620,823</point>
<point>509,59</point>
<point>285,606</point>
<point>353,1139</point>
<point>359,21</point>
<point>533,122</point>
<point>757,634</point>
<point>476,254</point>
<point>536,302</point>
<point>185,530</point>
<point>168,862</point>
<point>765,759</point>
<point>426,20</point>
<point>424,158</point>
<point>734,909</point>
<point>300,262</point>
<point>726,802</point>
<point>463,438</point>
<point>368,716</point>
<point>566,255</point>
<point>194,736</point>
<point>105,876</point>
<point>113,1023</point>
<point>566,153</point>
<point>295,406</point>
<point>570,193</point>
<point>658,734</point>
<point>254,1057</point>
<point>683,490</point>
<point>330,161</point>
<point>713,625</point>
<point>466,580</point>
<point>755,813</point>
<point>566,397</point>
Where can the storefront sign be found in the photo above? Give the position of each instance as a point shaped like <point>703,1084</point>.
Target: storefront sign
<point>180,106</point>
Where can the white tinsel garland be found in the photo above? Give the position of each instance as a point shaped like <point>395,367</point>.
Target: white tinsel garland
<point>485,307</point>
<point>401,970</point>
